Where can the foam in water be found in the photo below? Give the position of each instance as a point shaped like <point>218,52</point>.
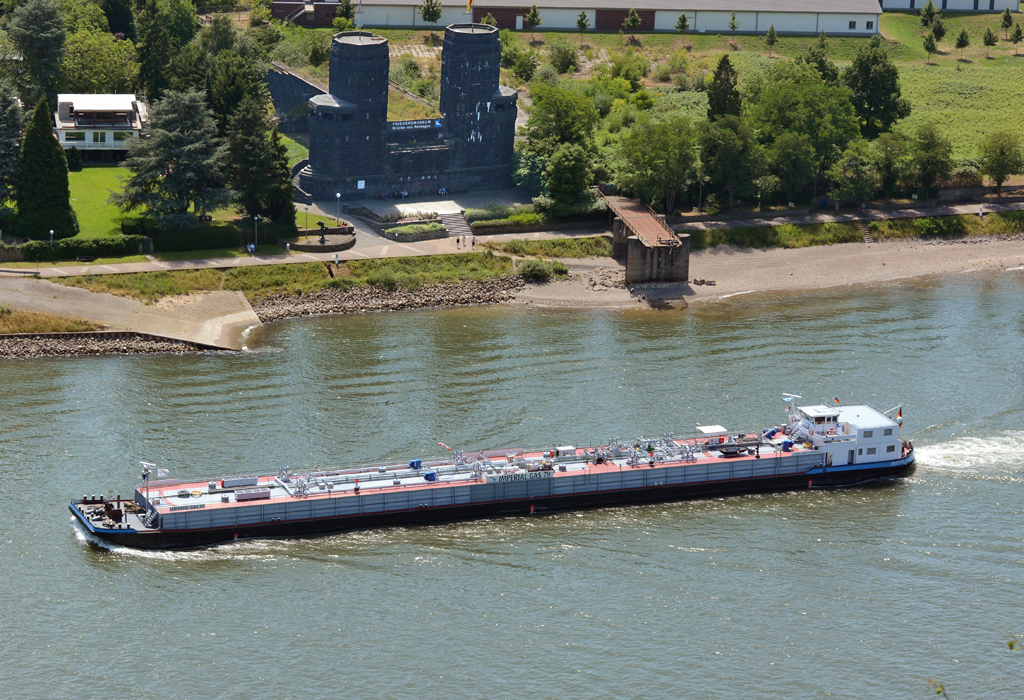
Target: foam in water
<point>999,454</point>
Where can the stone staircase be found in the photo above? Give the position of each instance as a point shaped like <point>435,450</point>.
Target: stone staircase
<point>456,225</point>
<point>868,238</point>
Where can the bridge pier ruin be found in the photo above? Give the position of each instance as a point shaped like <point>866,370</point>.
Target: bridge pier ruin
<point>653,251</point>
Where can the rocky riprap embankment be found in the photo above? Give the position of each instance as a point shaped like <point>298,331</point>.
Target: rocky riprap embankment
<point>69,346</point>
<point>368,298</point>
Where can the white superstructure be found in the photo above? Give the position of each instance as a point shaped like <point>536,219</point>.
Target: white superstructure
<point>847,434</point>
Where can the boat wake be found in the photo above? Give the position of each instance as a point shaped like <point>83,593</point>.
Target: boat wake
<point>998,455</point>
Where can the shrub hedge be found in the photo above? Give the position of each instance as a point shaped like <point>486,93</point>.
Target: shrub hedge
<point>70,248</point>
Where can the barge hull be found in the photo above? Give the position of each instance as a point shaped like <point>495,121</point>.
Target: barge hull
<point>183,538</point>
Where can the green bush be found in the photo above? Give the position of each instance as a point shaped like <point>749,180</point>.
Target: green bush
<point>384,278</point>
<point>559,268</point>
<point>521,219</point>
<point>534,270</point>
<point>74,157</point>
<point>71,248</point>
<point>940,227</point>
<point>416,229</point>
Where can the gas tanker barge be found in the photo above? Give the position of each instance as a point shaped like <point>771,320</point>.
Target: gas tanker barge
<point>818,447</point>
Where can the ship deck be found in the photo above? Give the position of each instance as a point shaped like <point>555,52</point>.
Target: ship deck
<point>342,483</point>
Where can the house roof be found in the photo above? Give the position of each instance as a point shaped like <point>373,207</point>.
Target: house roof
<point>99,103</point>
<point>811,6</point>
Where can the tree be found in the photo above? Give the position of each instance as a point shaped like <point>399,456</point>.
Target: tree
<point>10,137</point>
<point>815,57</point>
<point>490,20</point>
<point>583,22</point>
<point>83,16</point>
<point>658,159</point>
<point>155,49</point>
<point>528,170</point>
<point>891,152</point>
<point>632,20</point>
<point>344,17</point>
<point>822,40</point>
<point>37,30</point>
<point>1006,21</point>
<point>682,24</point>
<point>771,39</point>
<point>730,155</point>
<point>568,173</point>
<point>928,13</point>
<point>723,96</point>
<point>938,29</point>
<point>41,181</point>
<point>1001,157</point>
<point>182,24</point>
<point>929,46</point>
<point>119,17</point>
<point>561,114</point>
<point>932,155</point>
<point>430,11</point>
<point>875,83</point>
<point>733,24</point>
<point>96,62</point>
<point>990,39</point>
<point>255,167</point>
<point>563,54</point>
<point>854,176</point>
<point>532,20</point>
<point>526,65</point>
<point>792,159</point>
<point>231,80</point>
<point>963,40</point>
<point>1016,37</point>
<point>180,166</point>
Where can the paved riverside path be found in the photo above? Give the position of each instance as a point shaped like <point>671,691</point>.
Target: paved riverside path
<point>871,215</point>
<point>367,246</point>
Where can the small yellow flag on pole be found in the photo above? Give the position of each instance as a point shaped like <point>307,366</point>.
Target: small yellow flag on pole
<point>469,7</point>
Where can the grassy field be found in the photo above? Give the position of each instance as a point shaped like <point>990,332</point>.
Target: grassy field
<point>296,151</point>
<point>13,321</point>
<point>784,236</point>
<point>299,278</point>
<point>590,247</point>
<point>997,224</point>
<point>90,190</point>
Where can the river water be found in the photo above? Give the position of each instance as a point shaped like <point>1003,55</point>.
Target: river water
<point>860,593</point>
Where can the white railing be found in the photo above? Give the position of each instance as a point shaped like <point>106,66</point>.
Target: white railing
<point>97,146</point>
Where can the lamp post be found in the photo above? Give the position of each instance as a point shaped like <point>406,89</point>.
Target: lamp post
<point>306,207</point>
<point>255,231</point>
<point>51,237</point>
<point>337,208</point>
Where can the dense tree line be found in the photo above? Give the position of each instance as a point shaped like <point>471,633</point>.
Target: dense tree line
<point>789,131</point>
<point>211,140</point>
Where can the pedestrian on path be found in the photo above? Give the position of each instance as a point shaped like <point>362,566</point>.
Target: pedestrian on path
<point>458,241</point>
<point>463,240</point>
<point>981,211</point>
<point>474,242</point>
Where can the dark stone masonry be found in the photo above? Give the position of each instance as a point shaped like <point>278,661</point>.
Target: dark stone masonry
<point>355,151</point>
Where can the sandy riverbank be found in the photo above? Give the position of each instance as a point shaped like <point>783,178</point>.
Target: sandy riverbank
<point>734,271</point>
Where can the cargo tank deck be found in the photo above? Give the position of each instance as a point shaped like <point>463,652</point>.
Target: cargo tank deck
<point>340,483</point>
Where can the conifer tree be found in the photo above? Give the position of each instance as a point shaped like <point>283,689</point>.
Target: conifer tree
<point>583,22</point>
<point>154,48</point>
<point>929,46</point>
<point>632,20</point>
<point>733,24</point>
<point>180,166</point>
<point>822,40</point>
<point>990,39</point>
<point>682,24</point>
<point>723,96</point>
<point>10,137</point>
<point>490,20</point>
<point>938,29</point>
<point>1016,37</point>
<point>771,39</point>
<point>532,20</point>
<point>962,42</point>
<point>1006,22</point>
<point>255,167</point>
<point>928,13</point>
<point>44,199</point>
<point>37,30</point>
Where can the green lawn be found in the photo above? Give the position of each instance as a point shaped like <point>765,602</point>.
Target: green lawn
<point>90,190</point>
<point>296,151</point>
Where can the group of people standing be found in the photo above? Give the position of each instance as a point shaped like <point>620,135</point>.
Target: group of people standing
<point>460,242</point>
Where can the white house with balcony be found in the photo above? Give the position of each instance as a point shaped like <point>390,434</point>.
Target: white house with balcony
<point>98,125</point>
